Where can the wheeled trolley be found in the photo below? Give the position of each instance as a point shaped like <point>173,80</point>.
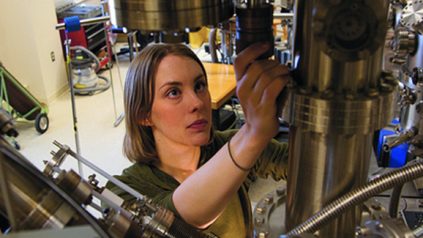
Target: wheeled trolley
<point>20,103</point>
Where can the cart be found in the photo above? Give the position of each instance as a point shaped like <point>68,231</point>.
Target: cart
<point>20,103</point>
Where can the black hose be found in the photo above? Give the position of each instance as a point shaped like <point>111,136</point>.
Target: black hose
<point>394,202</point>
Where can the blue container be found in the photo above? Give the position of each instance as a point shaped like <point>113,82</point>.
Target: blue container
<point>398,155</point>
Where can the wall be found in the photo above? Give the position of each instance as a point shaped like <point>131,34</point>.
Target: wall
<point>27,42</point>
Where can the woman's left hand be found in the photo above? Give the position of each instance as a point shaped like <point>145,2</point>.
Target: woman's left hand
<point>259,82</point>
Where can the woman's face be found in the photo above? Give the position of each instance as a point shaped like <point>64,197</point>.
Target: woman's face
<point>181,111</point>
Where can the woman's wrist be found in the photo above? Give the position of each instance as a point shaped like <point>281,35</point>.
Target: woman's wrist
<point>246,147</point>
<point>255,137</point>
<point>234,161</point>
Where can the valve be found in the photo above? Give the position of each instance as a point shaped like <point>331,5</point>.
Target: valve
<point>403,44</point>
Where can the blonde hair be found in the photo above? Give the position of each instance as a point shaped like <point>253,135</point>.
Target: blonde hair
<point>139,144</point>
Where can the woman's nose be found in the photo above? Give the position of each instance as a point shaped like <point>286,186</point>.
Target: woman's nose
<point>195,102</point>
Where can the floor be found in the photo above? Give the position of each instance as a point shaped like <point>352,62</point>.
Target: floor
<point>100,141</point>
<point>95,116</point>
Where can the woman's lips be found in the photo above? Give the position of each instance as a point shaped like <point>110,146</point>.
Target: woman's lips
<point>199,125</point>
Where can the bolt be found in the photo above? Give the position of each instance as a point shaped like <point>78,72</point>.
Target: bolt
<point>389,78</point>
<point>384,87</point>
<point>263,234</point>
<point>385,73</point>
<point>358,231</point>
<point>268,199</point>
<point>376,207</point>
<point>261,210</point>
<point>92,180</point>
<point>372,92</point>
<point>280,191</point>
<point>397,60</point>
<point>327,94</point>
<point>259,221</point>
<point>349,94</point>
<point>304,91</point>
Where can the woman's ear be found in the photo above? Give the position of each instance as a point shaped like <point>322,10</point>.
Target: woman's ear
<point>145,122</point>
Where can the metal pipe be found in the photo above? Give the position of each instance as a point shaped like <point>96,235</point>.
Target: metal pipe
<point>110,178</point>
<point>122,115</point>
<point>340,97</point>
<point>73,104</point>
<point>85,22</point>
<point>282,15</point>
<point>109,57</point>
<point>357,196</point>
<point>404,137</point>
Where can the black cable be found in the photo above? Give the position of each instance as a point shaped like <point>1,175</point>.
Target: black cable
<point>394,202</point>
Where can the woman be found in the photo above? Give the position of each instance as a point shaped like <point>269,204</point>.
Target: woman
<point>179,160</point>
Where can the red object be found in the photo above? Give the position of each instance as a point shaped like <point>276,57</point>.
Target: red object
<point>76,37</point>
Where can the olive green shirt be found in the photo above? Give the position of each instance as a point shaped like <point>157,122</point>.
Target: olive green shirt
<point>236,219</point>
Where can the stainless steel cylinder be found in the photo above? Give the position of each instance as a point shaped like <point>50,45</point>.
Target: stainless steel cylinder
<point>328,166</point>
<point>171,15</point>
<point>74,185</point>
<point>32,200</point>
<point>35,206</point>
<point>254,24</point>
<point>339,98</point>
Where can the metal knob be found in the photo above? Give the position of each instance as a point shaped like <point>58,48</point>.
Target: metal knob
<point>403,44</point>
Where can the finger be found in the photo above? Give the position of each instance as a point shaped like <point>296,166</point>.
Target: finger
<point>272,91</point>
<point>254,72</point>
<point>266,77</point>
<point>247,56</point>
<point>271,74</point>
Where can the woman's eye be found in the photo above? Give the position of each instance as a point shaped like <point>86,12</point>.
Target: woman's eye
<point>173,93</point>
<point>200,86</point>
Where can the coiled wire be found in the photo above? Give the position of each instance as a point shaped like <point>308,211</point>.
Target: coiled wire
<point>357,196</point>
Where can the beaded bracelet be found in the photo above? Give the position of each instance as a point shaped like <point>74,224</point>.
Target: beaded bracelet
<point>233,160</point>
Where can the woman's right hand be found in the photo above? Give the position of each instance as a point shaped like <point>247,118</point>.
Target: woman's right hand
<point>259,82</point>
